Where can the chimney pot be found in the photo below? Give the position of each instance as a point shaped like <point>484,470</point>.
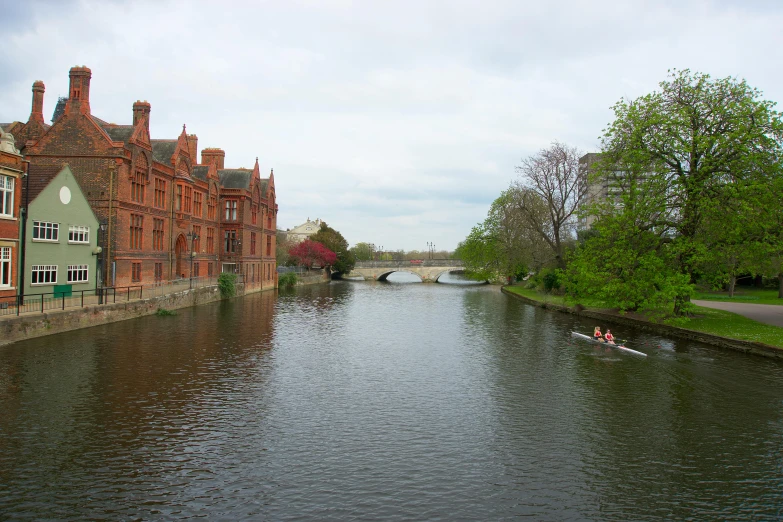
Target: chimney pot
<point>36,113</point>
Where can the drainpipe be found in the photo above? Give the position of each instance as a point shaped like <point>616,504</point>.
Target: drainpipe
<point>23,232</point>
<point>171,222</point>
<point>109,264</point>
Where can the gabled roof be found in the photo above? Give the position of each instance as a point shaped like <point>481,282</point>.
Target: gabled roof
<point>163,150</point>
<point>119,132</point>
<point>99,121</point>
<point>40,176</point>
<point>235,178</point>
<point>200,172</point>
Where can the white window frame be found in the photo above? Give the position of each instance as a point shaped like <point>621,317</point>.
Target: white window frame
<point>6,196</point>
<point>42,270</point>
<point>5,267</point>
<point>46,226</point>
<point>81,272</point>
<point>81,232</point>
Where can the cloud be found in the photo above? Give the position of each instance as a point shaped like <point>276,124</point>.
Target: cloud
<point>397,123</point>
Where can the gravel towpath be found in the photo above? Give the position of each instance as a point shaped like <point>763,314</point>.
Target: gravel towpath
<point>768,314</point>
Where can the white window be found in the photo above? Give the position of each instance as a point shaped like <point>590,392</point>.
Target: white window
<point>6,196</point>
<point>45,231</point>
<point>77,273</point>
<point>44,275</point>
<point>5,267</point>
<point>78,234</point>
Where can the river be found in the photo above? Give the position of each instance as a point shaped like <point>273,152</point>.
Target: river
<point>372,401</point>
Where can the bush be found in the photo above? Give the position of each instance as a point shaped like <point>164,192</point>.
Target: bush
<point>162,312</point>
<point>550,279</point>
<point>287,280</point>
<point>227,284</point>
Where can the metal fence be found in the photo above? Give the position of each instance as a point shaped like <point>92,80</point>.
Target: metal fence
<point>41,303</point>
<point>294,269</point>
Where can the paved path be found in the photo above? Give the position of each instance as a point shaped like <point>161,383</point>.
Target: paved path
<point>768,314</point>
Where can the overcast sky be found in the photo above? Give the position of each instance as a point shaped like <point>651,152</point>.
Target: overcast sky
<point>398,123</point>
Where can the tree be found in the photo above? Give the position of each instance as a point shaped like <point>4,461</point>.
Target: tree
<point>335,242</point>
<point>552,177</point>
<point>693,145</point>
<point>628,266</point>
<point>503,245</point>
<point>310,253</point>
<point>281,249</point>
<point>362,251</point>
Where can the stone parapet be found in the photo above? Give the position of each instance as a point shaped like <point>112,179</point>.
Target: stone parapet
<point>16,328</point>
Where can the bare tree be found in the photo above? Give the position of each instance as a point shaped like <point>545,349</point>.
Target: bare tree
<point>553,190</point>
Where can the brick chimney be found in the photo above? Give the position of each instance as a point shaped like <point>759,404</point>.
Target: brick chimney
<point>79,90</point>
<point>141,111</point>
<point>213,156</point>
<point>193,148</point>
<point>36,114</point>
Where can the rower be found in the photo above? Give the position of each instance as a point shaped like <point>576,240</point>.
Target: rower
<point>597,335</point>
<point>609,337</point>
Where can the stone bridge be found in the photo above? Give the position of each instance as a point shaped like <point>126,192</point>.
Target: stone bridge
<point>429,270</point>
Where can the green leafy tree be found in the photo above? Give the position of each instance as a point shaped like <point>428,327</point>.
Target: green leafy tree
<point>362,252</point>
<point>335,242</point>
<point>481,255</point>
<point>503,245</point>
<point>627,266</point>
<point>689,148</point>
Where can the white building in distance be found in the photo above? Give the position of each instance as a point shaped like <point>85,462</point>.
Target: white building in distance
<point>303,231</point>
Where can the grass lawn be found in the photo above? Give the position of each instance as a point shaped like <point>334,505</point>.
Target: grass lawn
<point>743,294</point>
<point>707,320</point>
<point>727,324</point>
<point>556,299</point>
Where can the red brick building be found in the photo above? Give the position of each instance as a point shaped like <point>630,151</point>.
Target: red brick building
<point>12,169</point>
<point>164,212</point>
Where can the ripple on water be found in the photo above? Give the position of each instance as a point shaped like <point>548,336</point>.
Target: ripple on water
<point>383,401</point>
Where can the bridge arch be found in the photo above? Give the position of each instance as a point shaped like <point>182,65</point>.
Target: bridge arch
<point>385,275</point>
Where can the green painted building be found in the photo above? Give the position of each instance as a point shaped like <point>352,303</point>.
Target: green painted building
<point>61,239</point>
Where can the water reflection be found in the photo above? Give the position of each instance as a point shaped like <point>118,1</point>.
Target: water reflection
<point>383,401</point>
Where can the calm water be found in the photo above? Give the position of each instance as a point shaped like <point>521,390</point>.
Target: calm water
<point>367,401</point>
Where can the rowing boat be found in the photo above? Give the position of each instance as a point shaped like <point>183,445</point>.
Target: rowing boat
<point>618,346</point>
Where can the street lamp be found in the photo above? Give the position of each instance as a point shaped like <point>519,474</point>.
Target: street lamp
<point>236,247</point>
<point>192,238</point>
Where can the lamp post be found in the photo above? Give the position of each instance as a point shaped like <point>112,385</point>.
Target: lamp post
<point>236,247</point>
<point>192,238</point>
<point>99,261</point>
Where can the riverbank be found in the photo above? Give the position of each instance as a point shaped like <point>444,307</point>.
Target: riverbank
<point>27,326</point>
<point>639,322</point>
